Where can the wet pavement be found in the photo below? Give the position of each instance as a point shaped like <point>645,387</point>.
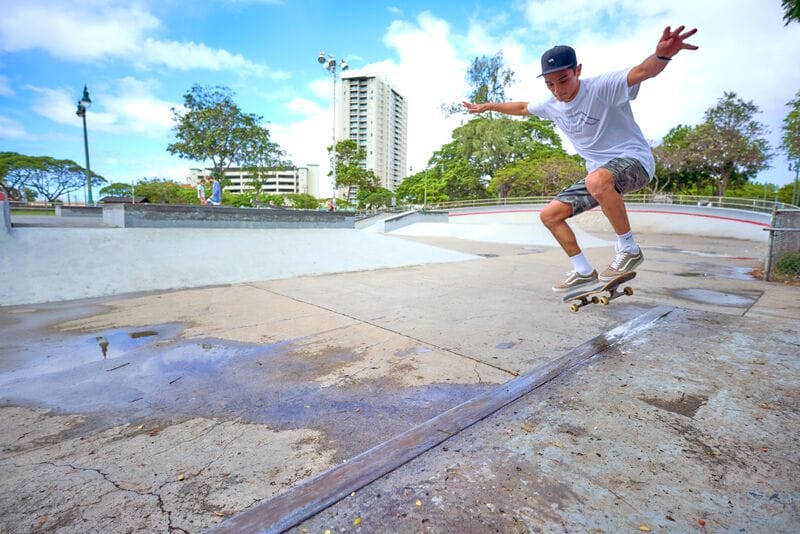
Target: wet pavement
<point>208,401</point>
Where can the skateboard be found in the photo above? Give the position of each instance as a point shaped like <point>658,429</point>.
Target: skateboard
<point>584,297</point>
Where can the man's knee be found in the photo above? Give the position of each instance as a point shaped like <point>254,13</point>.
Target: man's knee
<point>599,182</point>
<point>554,213</point>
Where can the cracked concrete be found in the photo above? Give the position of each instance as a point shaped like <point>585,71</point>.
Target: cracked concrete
<point>146,478</point>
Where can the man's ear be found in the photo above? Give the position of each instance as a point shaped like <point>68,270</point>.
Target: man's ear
<point>578,70</point>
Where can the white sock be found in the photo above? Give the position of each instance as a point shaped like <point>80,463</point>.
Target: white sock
<point>581,265</point>
<point>627,242</point>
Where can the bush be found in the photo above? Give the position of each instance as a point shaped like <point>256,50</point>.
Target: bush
<point>789,265</point>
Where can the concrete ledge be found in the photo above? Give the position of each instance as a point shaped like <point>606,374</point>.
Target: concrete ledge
<point>6,209</point>
<point>188,216</point>
<point>409,217</point>
<point>79,211</point>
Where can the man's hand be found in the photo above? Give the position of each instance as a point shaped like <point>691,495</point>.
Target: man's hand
<point>672,42</point>
<point>475,108</point>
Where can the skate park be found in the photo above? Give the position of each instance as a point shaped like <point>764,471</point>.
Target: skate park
<point>245,370</point>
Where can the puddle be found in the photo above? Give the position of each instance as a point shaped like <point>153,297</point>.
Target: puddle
<point>718,298</point>
<point>165,375</point>
<point>63,353</point>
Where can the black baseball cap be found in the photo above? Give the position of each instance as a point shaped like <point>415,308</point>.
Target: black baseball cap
<point>558,58</point>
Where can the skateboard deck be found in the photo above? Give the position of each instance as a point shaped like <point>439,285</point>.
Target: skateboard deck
<point>583,297</point>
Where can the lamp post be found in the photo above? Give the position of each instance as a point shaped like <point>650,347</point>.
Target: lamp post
<point>330,65</point>
<point>83,105</point>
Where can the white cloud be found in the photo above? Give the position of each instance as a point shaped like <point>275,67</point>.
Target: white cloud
<point>125,107</point>
<point>93,30</point>
<point>188,56</point>
<point>5,87</point>
<point>303,106</point>
<point>11,129</point>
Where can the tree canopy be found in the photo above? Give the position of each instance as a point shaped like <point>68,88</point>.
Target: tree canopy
<point>49,177</point>
<point>212,127</point>
<point>790,140</point>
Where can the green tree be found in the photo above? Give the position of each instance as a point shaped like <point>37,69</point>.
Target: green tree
<point>489,77</point>
<point>544,173</point>
<point>490,144</point>
<point>672,172</point>
<point>49,177</point>
<point>425,186</point>
<point>350,168</point>
<point>211,127</point>
<point>373,198</point>
<point>165,191</point>
<point>791,11</point>
<point>261,157</point>
<point>117,189</point>
<point>790,143</point>
<point>303,201</point>
<point>729,146</point>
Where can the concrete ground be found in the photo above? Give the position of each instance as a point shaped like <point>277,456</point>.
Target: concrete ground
<point>195,405</point>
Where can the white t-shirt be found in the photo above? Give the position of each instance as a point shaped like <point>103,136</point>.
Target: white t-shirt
<point>599,121</point>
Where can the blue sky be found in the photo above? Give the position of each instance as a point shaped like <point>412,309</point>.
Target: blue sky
<point>139,57</point>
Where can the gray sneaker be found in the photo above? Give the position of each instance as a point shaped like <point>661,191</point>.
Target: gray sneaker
<point>576,281</point>
<point>624,262</point>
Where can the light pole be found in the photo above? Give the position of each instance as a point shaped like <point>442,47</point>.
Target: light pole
<point>330,65</point>
<point>83,105</point>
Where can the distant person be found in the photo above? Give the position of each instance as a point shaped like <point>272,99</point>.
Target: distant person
<point>201,190</point>
<point>595,115</point>
<point>331,206</point>
<point>216,192</point>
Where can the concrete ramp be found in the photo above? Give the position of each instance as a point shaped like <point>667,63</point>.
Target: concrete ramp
<point>53,264</point>
<point>519,233</point>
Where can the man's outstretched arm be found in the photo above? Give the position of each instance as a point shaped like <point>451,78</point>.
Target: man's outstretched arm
<point>509,108</point>
<point>671,43</point>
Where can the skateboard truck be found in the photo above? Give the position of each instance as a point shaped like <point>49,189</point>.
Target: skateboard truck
<point>584,297</point>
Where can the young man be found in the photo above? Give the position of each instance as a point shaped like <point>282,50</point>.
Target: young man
<point>216,192</point>
<point>596,116</point>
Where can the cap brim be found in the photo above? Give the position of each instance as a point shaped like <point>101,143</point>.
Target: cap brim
<point>555,69</point>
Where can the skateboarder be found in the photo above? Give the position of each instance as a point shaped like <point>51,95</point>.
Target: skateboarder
<point>595,114</point>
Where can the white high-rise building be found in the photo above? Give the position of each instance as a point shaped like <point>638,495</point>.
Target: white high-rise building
<point>375,115</point>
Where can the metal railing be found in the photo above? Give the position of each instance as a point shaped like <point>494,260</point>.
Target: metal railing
<point>749,204</point>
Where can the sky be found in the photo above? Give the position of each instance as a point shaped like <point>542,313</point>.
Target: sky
<point>138,59</point>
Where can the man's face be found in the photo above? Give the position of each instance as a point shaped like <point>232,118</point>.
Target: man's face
<point>564,83</point>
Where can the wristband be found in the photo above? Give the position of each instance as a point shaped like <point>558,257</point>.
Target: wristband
<point>665,58</point>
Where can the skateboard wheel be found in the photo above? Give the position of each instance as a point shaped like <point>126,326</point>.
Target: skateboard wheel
<point>594,300</point>
<point>603,300</point>
<point>628,291</point>
<point>574,308</point>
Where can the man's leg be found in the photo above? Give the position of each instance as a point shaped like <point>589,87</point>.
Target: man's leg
<point>606,184</point>
<point>554,217</point>
<point>601,185</point>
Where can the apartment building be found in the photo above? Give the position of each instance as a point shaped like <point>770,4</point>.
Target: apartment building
<point>296,180</point>
<point>375,115</point>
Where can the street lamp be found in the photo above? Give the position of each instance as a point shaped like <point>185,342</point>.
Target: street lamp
<point>330,65</point>
<point>83,105</point>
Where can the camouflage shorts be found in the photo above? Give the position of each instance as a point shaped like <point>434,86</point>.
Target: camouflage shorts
<point>629,176</point>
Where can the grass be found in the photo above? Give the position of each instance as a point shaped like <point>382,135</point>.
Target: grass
<point>32,212</point>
